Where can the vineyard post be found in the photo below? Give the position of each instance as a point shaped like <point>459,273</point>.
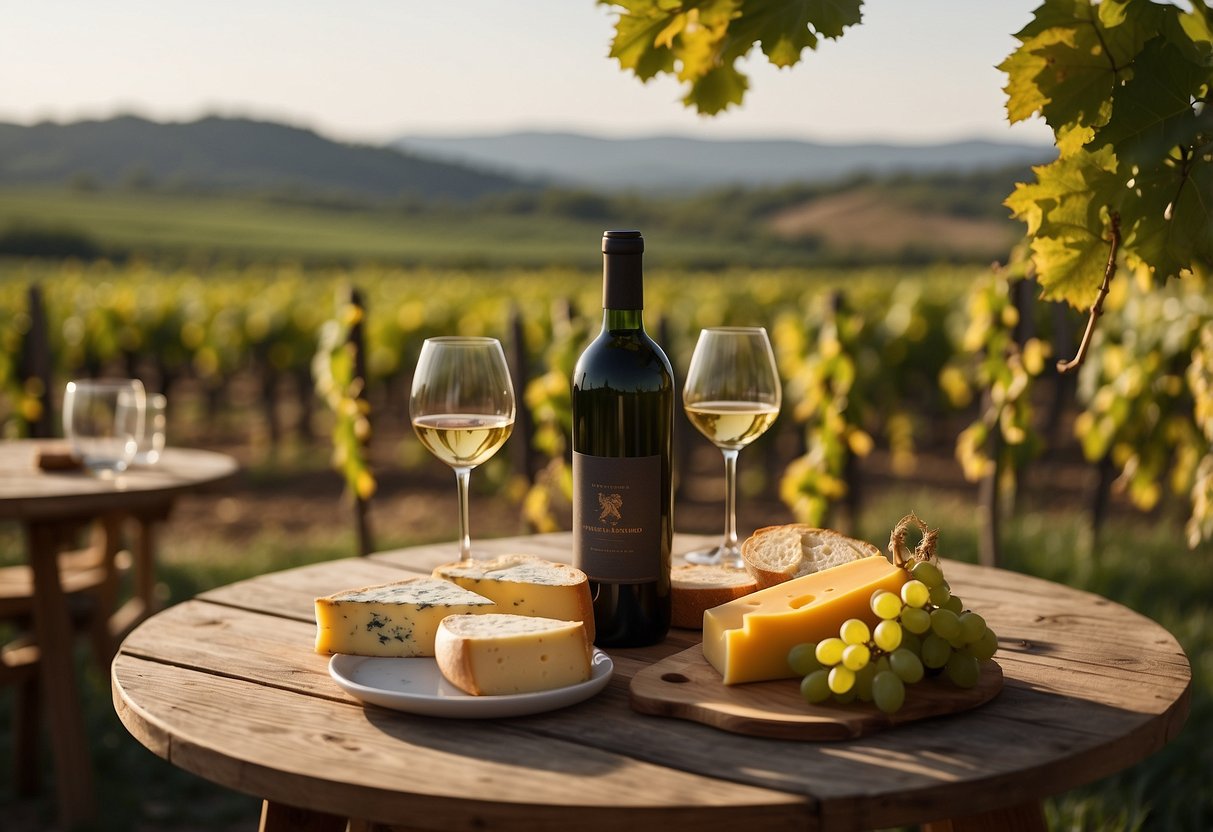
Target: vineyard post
<point>357,338</point>
<point>36,364</point>
<point>524,423</point>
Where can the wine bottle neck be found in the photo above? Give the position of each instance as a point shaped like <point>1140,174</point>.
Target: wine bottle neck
<point>617,319</point>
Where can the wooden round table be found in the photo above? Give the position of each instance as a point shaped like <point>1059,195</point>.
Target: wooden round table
<point>46,501</point>
<point>228,686</point>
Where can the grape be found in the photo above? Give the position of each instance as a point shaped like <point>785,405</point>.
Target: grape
<point>881,664</point>
<point>888,692</point>
<point>847,697</point>
<point>911,642</point>
<point>955,605</point>
<point>940,595</point>
<point>816,687</point>
<point>887,635</point>
<point>856,656</point>
<point>945,624</point>
<point>928,573</point>
<point>935,651</point>
<point>802,659</point>
<point>863,682</point>
<point>957,641</point>
<point>906,665</point>
<point>915,620</point>
<point>886,604</point>
<point>915,593</point>
<point>854,631</point>
<point>842,679</point>
<point>972,627</point>
<point>963,669</point>
<point>829,651</point>
<point>983,649</point>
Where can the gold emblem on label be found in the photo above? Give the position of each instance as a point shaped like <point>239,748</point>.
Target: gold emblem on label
<point>610,505</point>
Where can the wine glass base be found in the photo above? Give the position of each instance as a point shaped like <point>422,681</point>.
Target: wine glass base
<point>716,556</point>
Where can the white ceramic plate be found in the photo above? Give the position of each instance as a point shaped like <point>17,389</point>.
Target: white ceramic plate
<point>417,686</point>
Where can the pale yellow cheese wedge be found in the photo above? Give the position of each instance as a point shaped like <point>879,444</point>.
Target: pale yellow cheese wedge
<point>493,654</point>
<point>396,619</point>
<point>747,640</point>
<point>527,585</point>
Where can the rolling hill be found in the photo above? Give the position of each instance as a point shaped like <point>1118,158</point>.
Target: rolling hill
<point>225,154</point>
<point>667,162</point>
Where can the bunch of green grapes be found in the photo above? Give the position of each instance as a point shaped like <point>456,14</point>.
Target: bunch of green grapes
<point>924,630</point>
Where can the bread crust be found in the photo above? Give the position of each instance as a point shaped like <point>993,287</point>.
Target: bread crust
<point>695,588</point>
<point>768,569</point>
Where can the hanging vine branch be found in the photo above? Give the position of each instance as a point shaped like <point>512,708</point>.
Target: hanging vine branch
<point>1097,307</point>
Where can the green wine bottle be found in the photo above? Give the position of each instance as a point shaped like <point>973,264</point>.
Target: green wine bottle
<point>623,496</point>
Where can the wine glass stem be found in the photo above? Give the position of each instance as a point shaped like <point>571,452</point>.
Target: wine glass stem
<point>462,477</point>
<point>730,499</point>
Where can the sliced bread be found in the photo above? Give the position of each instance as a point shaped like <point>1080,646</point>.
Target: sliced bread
<point>698,587</point>
<point>779,553</point>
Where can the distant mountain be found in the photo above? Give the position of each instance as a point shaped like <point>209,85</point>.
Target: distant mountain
<point>229,155</point>
<point>683,163</point>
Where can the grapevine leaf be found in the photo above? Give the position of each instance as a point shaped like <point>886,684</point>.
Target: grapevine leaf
<point>717,90</point>
<point>1152,111</point>
<point>1078,77</point>
<point>831,17</point>
<point>636,34</point>
<point>1194,36</point>
<point>1024,95</point>
<point>1064,211</point>
<point>1171,222</point>
<point>785,30</point>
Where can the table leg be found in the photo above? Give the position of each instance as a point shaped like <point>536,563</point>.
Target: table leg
<point>1027,817</point>
<point>60,691</point>
<point>278,817</point>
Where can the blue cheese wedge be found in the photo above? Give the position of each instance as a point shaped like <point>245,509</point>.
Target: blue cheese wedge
<point>495,654</point>
<point>527,585</point>
<point>396,619</point>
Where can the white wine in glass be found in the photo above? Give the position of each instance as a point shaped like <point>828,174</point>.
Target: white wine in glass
<point>462,408</point>
<point>732,395</point>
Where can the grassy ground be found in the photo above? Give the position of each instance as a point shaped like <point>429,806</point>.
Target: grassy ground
<point>1140,563</point>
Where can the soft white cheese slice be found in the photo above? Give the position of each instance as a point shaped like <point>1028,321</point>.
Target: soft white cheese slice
<point>494,654</point>
<point>396,619</point>
<point>527,585</point>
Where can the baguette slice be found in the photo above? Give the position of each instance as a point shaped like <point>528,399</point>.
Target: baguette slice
<point>698,587</point>
<point>779,553</point>
<point>494,654</point>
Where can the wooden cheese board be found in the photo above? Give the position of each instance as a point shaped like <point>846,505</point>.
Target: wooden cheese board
<point>685,686</point>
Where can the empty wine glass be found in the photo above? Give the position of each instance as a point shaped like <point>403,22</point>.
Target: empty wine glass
<point>152,439</point>
<point>732,395</point>
<point>462,408</point>
<point>103,420</point>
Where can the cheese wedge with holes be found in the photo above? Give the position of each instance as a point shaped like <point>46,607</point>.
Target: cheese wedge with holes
<point>527,585</point>
<point>748,639</point>
<point>396,619</point>
<point>487,655</point>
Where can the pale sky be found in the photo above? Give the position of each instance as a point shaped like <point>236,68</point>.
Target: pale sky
<point>371,70</point>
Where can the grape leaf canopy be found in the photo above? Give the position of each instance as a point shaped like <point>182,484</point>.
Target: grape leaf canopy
<point>1125,86</point>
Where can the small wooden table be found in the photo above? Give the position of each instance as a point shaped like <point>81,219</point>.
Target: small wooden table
<point>43,502</point>
<point>227,686</point>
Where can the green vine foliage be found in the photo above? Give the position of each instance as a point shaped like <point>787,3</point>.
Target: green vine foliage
<point>1126,86</point>
<point>992,366</point>
<point>337,383</point>
<point>700,41</point>
<point>1145,394</point>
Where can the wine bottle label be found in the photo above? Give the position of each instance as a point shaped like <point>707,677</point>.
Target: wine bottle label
<point>617,517</point>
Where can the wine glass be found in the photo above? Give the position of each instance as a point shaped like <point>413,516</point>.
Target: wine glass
<point>462,407</point>
<point>103,420</point>
<point>732,395</point>
<point>152,439</point>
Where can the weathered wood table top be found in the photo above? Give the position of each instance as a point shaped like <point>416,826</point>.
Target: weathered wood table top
<point>44,502</point>
<point>227,686</point>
